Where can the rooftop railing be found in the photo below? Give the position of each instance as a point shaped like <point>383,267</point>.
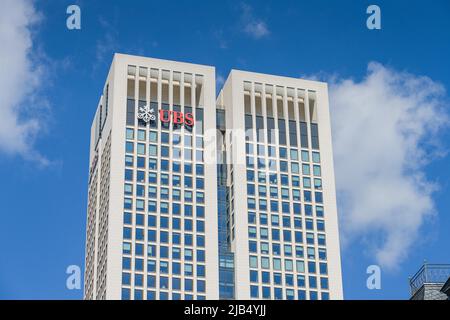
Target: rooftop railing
<point>429,273</point>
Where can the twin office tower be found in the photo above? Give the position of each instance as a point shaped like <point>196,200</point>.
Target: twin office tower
<point>193,196</point>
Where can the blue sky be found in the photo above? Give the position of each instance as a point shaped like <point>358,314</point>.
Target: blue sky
<point>44,151</point>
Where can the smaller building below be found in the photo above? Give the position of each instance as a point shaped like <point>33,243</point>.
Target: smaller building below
<point>431,282</point>
<point>446,288</point>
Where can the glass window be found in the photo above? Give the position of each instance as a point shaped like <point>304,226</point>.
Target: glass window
<point>151,221</point>
<point>316,157</point>
<point>295,181</point>
<point>141,148</point>
<point>140,204</point>
<point>254,291</point>
<point>323,268</point>
<point>278,294</point>
<point>294,154</point>
<point>252,246</point>
<point>201,287</point>
<point>126,248</point>
<point>314,136</point>
<point>318,197</point>
<point>251,232</point>
<point>128,160</point>
<point>129,147</point>
<point>188,154</point>
<point>200,197</point>
<point>319,211</point>
<point>307,183</point>
<point>300,266</point>
<point>253,276</point>
<point>176,181</point>
<point>305,169</point>
<point>321,239</point>
<point>297,208</point>
<point>153,150</point>
<point>281,133</point>
<point>311,254</point>
<point>164,179</point>
<point>200,169</point>
<point>301,280</point>
<point>139,264</point>
<point>128,203</point>
<point>289,280</point>
<point>152,206</point>
<point>253,262</point>
<point>127,233</point>
<point>251,218</point>
<point>140,190</point>
<point>164,267</point>
<point>250,189</point>
<point>311,267</point>
<point>188,271</point>
<point>165,151</point>
<point>277,264</point>
<point>276,249</point>
<point>152,177</point>
<point>316,170</point>
<point>140,162</point>
<point>139,219</point>
<point>320,225</point>
<point>290,295</point>
<point>126,294</point>
<point>151,265</point>
<point>264,248</point>
<point>265,263</point>
<point>153,136</point>
<point>130,134</point>
<point>128,189</point>
<point>152,164</point>
<point>266,292</point>
<point>318,183</point>
<point>305,156</point>
<point>310,238</point>
<point>141,135</point>
<point>265,276</point>
<point>152,192</point>
<point>307,196</point>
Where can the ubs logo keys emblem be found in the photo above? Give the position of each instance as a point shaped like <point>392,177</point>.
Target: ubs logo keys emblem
<point>146,113</point>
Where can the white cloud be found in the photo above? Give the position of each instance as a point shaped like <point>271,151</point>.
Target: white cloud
<point>219,35</point>
<point>20,79</point>
<point>257,29</point>
<point>105,47</point>
<point>384,133</point>
<point>253,26</point>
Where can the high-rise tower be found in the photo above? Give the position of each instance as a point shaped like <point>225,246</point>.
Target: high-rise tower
<point>283,226</point>
<point>193,198</point>
<point>152,211</point>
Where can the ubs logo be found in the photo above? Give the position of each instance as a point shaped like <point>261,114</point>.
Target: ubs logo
<point>147,113</point>
<point>176,117</point>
